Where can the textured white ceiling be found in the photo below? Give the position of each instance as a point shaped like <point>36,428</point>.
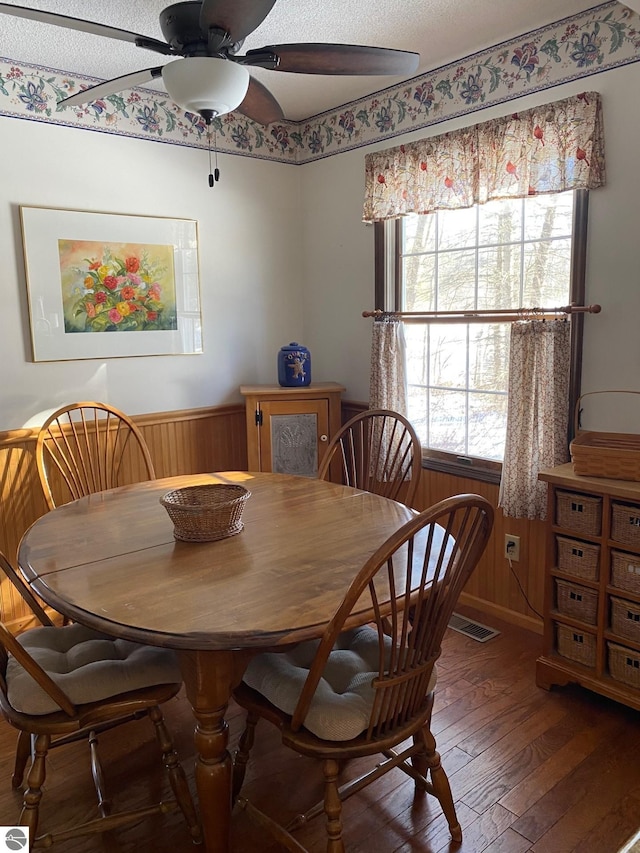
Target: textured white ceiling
<point>441,31</point>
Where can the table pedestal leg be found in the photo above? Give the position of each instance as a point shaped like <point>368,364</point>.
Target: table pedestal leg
<point>209,677</point>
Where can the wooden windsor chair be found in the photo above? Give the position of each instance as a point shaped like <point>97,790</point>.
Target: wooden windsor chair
<point>88,447</point>
<point>357,691</point>
<point>378,451</point>
<point>59,685</point>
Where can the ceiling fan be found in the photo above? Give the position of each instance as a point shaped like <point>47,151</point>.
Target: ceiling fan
<point>211,78</point>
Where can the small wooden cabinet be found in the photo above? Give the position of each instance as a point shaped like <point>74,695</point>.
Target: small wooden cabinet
<point>592,585</point>
<point>288,429</point>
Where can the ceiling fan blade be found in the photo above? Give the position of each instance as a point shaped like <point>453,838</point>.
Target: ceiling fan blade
<point>260,105</point>
<point>84,26</point>
<point>238,18</point>
<point>344,59</point>
<point>110,87</point>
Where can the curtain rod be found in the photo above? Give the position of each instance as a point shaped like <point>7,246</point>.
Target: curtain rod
<point>501,315</point>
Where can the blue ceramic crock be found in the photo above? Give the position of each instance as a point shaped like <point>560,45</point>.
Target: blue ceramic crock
<point>294,366</point>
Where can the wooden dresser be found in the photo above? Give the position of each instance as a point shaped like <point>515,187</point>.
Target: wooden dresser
<point>592,585</point>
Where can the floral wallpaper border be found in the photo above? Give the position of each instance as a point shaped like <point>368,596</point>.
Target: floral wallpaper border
<point>597,40</point>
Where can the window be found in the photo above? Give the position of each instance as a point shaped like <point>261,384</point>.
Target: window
<point>499,256</point>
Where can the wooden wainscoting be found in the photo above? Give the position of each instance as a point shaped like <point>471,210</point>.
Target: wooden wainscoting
<point>182,442</point>
<point>493,587</point>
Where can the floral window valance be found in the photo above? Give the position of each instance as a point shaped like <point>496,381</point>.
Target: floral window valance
<point>551,148</point>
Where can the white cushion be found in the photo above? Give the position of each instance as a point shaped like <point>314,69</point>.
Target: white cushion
<point>87,666</point>
<point>342,704</point>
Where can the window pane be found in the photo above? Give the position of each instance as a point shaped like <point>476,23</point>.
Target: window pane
<point>489,356</point>
<point>456,280</point>
<point>419,233</point>
<point>548,216</point>
<point>547,269</point>
<point>499,277</point>
<point>487,425</point>
<point>417,347</point>
<point>448,356</point>
<point>419,273</point>
<point>447,420</point>
<point>456,228</point>
<point>500,222</point>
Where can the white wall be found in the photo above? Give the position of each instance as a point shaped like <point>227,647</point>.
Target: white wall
<point>250,266</point>
<point>284,256</point>
<point>338,255</point>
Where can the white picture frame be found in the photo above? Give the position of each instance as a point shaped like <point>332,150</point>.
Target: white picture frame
<point>110,285</point>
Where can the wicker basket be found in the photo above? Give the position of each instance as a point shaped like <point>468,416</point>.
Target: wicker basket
<point>579,513</point>
<point>576,645</point>
<point>605,454</point>
<point>625,571</point>
<point>625,618</point>
<point>625,524</point>
<point>624,664</point>
<point>577,601</point>
<point>206,513</point>
<point>581,559</point>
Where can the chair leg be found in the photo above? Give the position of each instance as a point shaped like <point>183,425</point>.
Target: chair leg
<point>241,758</point>
<point>430,759</point>
<point>35,781</point>
<point>23,752</point>
<point>333,806</point>
<point>177,777</point>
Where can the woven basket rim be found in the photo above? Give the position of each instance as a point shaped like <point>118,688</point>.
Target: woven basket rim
<point>174,498</point>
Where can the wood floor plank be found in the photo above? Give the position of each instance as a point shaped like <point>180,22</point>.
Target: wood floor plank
<point>616,828</point>
<point>556,767</point>
<point>484,830</point>
<point>485,766</point>
<point>584,783</point>
<point>509,842</point>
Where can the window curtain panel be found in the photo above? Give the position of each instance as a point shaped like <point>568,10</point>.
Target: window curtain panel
<point>537,414</point>
<point>388,380</point>
<point>551,148</point>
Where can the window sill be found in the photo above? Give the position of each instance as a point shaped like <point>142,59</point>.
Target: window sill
<point>463,466</point>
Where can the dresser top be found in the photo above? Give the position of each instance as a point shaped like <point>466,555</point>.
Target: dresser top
<point>564,475</point>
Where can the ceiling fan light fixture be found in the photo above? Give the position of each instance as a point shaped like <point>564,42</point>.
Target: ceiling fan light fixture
<point>206,84</point>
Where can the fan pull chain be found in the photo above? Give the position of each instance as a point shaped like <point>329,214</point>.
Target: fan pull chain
<point>211,177</point>
<point>214,175</point>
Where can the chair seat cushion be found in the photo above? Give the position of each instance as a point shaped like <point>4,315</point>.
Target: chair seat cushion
<point>342,704</point>
<point>87,666</point>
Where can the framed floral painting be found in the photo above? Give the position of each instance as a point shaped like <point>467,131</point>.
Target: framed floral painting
<point>106,285</point>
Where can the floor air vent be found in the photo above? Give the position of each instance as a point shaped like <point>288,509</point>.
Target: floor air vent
<point>475,630</point>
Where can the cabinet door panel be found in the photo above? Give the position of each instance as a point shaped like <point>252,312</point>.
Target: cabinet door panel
<point>293,436</point>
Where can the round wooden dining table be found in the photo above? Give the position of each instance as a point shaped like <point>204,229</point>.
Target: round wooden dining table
<point>110,561</point>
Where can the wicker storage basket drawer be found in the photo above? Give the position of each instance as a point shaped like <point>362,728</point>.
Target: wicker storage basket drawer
<point>625,524</point>
<point>579,513</point>
<point>625,571</point>
<point>577,601</point>
<point>581,559</point>
<point>576,645</point>
<point>625,618</point>
<point>624,664</point>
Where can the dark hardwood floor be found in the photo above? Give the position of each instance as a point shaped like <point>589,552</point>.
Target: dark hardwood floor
<point>531,771</point>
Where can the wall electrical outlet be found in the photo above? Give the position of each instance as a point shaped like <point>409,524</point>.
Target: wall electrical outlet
<point>512,547</point>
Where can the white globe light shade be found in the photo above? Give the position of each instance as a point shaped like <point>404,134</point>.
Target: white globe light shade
<point>199,83</point>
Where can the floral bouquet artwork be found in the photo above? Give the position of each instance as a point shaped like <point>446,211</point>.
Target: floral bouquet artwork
<point>117,287</point>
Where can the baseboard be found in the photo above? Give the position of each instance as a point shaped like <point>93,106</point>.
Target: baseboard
<point>531,623</point>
